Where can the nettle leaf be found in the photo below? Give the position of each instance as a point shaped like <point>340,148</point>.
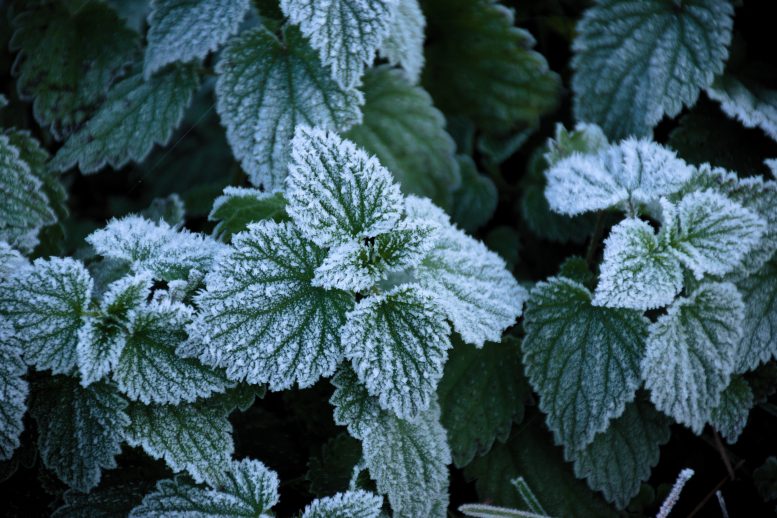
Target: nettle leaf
<point>620,458</point>
<point>155,247</point>
<point>135,115</point>
<point>345,505</point>
<point>337,192</point>
<point>12,263</point>
<point>346,33</point>
<point>585,139</point>
<point>13,390</point>
<point>265,88</point>
<point>407,133</point>
<point>261,318</point>
<point>25,208</point>
<point>332,469</point>
<point>404,44</point>
<point>710,233</point>
<point>759,337</point>
<point>627,175</point>
<point>638,271</point>
<point>118,499</point>
<point>184,30</point>
<point>481,394</point>
<point>79,429</point>
<point>637,61</point>
<point>170,209</point>
<point>729,417</point>
<point>189,437</point>
<point>46,305</point>
<point>751,104</point>
<point>247,488</point>
<point>149,370</point>
<point>690,353</point>
<point>239,206</point>
<point>93,48</point>
<point>491,76</point>
<point>583,360</point>
<point>407,459</point>
<point>398,343</point>
<point>475,201</point>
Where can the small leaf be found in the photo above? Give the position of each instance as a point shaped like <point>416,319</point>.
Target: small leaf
<point>13,391</point>
<point>730,416</point>
<point>345,505</point>
<point>759,339</point>
<point>765,478</point>
<point>474,202</point>
<point>331,471</point>
<point>103,503</point>
<point>751,104</point>
<point>239,206</point>
<point>404,45</point>
<point>170,209</point>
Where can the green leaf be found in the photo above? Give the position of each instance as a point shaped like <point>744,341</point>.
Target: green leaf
<point>398,343</point>
<point>404,45</point>
<point>636,61</point>
<point>104,503</point>
<point>751,104</point>
<point>331,471</point>
<point>765,478</point>
<point>261,319</point>
<point>474,202</point>
<point>188,437</point>
<point>730,416</point>
<point>247,488</point>
<point>690,353</point>
<point>69,55</point>
<point>345,505</point>
<point>583,360</point>
<point>407,133</point>
<point>239,206</point>
<point>13,390</point>
<point>759,338</point>
<point>481,395</point>
<point>266,87</point>
<point>79,429</point>
<point>620,458</point>
<point>185,30</point>
<point>478,65</point>
<point>169,209</point>
<point>46,304</point>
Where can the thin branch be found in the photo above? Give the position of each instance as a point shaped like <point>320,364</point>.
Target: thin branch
<point>723,454</point>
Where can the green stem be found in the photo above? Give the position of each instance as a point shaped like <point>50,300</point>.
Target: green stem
<point>596,237</point>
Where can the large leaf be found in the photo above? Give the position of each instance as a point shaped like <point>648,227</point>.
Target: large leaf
<point>404,44</point>
<point>345,505</point>
<point>730,416</point>
<point>638,60</point>
<point>13,390</point>
<point>759,338</point>
<point>583,360</point>
<point>751,104</point>
<point>265,88</point>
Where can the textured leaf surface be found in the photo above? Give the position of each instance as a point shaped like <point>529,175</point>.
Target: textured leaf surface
<point>79,429</point>
<point>730,416</point>
<point>102,503</point>
<point>398,343</point>
<point>407,133</point>
<point>583,360</point>
<point>346,33</point>
<point>337,192</point>
<point>183,30</point>
<point>239,206</point>
<point>265,88</point>
<point>481,394</point>
<point>247,489</point>
<point>759,338</point>
<point>620,458</point>
<point>136,115</point>
<point>636,61</point>
<point>753,105</point>
<point>404,44</point>
<point>345,505</point>
<point>188,437</point>
<point>261,318</point>
<point>474,202</point>
<point>691,351</point>
<point>13,390</point>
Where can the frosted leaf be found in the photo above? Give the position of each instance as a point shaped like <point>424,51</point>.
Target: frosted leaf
<point>25,208</point>
<point>184,30</point>
<point>247,488</point>
<point>710,233</point>
<point>102,338</point>
<point>113,499</point>
<point>730,416</point>
<point>136,115</point>
<point>155,247</point>
<point>149,370</point>
<point>627,175</point>
<point>751,104</point>
<point>336,191</point>
<point>261,319</point>
<point>265,88</point>
<point>239,206</point>
<point>620,458</point>
<point>345,505</point>
<point>93,48</point>
<point>356,266</point>
<point>422,209</point>
<point>759,338</point>
<point>79,429</point>
<point>586,138</point>
<point>13,390</point>
<point>170,209</point>
<point>583,360</point>
<point>11,262</point>
<point>404,45</point>
<point>638,270</point>
<point>188,437</point>
<point>691,352</point>
<point>472,285</point>
<point>46,305</point>
<point>771,163</point>
<point>636,61</point>
<point>407,134</point>
<point>346,33</point>
<point>398,343</point>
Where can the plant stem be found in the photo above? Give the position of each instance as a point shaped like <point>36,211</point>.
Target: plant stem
<point>596,237</point>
